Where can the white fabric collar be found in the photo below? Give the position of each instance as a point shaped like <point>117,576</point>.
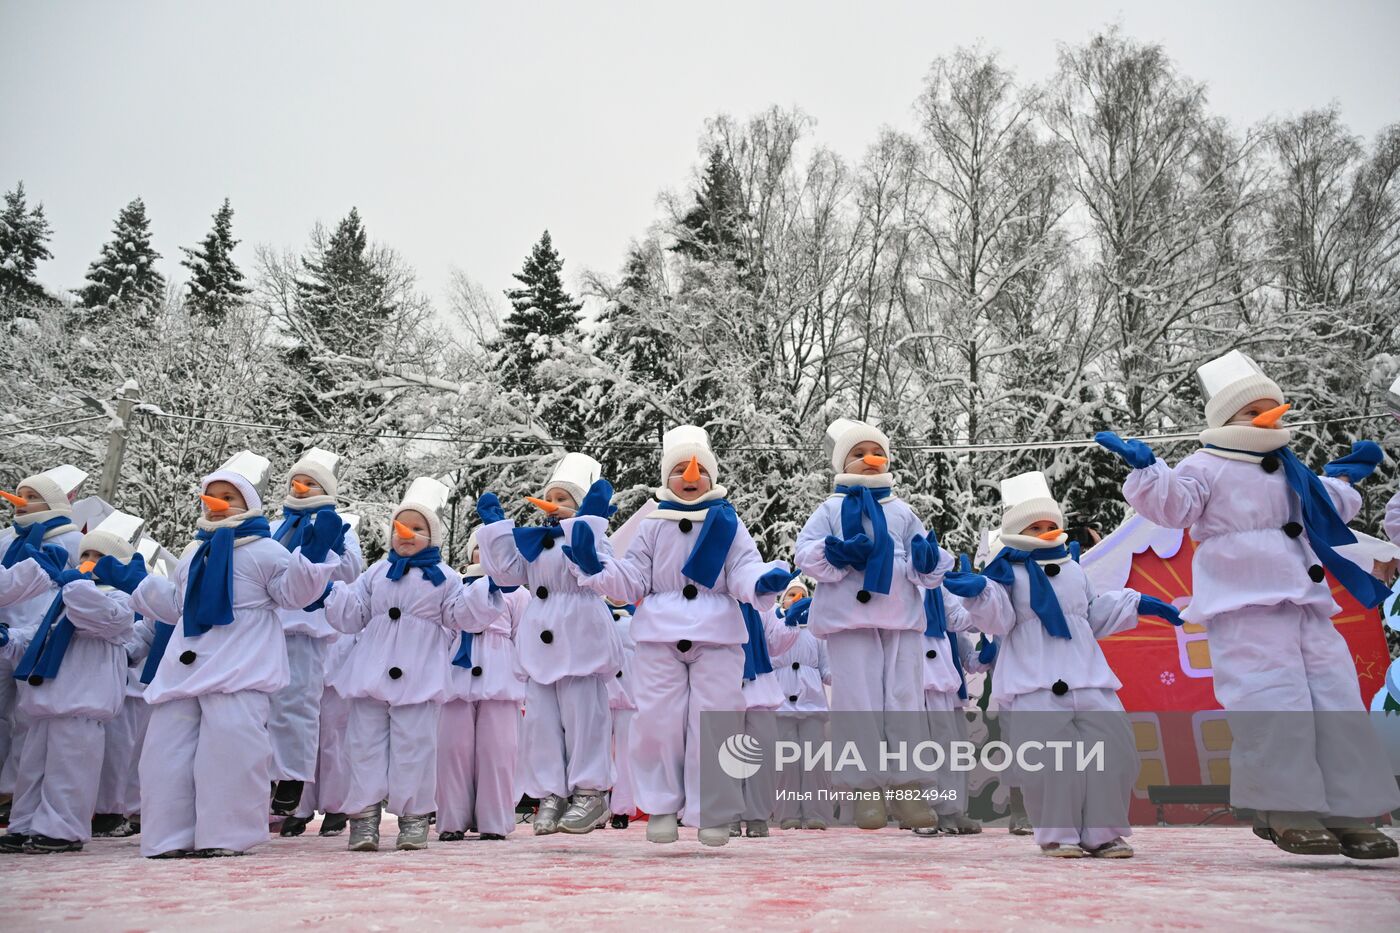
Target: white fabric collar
<point>1245,437</point>
<point>664,494</point>
<point>1032,543</point>
<point>877,481</point>
<point>309,502</point>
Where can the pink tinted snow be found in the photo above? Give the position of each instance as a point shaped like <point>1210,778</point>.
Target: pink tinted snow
<point>835,880</point>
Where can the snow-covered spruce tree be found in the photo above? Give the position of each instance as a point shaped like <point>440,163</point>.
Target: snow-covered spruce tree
<point>123,282</point>
<point>24,237</point>
<point>543,324</point>
<point>216,283</point>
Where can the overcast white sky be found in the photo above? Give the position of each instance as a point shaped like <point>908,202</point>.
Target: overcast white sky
<point>461,130</point>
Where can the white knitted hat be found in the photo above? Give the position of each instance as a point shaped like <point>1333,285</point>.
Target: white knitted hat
<point>1025,500</point>
<point>322,466</point>
<point>116,536</point>
<point>247,472</point>
<point>843,434</point>
<point>679,444</point>
<point>574,474</point>
<point>56,487</point>
<point>428,498</point>
<point>1232,382</point>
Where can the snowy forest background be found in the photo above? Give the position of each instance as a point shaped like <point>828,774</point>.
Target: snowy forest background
<point>1019,264</point>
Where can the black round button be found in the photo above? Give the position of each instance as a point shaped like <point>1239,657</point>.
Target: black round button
<point>542,592</point>
<point>795,665</point>
<point>690,592</point>
<point>395,673</point>
<point>1052,570</point>
<point>930,654</point>
<point>792,698</point>
<point>619,674</point>
<point>684,645</point>
<point>394,613</point>
<point>685,525</point>
<point>476,671</point>
<point>863,596</point>
<point>34,680</point>
<point>546,636</point>
<point>1269,463</point>
<point>1293,529</point>
<point>1060,688</point>
<point>1317,573</point>
<point>187,657</point>
<point>548,543</point>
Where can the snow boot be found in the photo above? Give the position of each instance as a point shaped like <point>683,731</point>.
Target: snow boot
<point>910,808</point>
<point>713,835</point>
<point>588,810</point>
<point>620,820</point>
<point>661,827</point>
<point>814,822</point>
<point>333,824</point>
<point>756,829</point>
<point>413,832</point>
<point>790,823</point>
<point>294,826</point>
<point>870,812</point>
<point>547,817</point>
<point>364,830</point>
<point>736,828</point>
<point>104,823</point>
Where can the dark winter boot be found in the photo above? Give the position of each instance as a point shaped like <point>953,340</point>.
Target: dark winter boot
<point>13,843</point>
<point>48,845</point>
<point>286,797</point>
<point>333,824</point>
<point>619,821</point>
<point>294,826</point>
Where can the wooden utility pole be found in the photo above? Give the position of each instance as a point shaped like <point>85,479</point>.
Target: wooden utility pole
<point>116,442</point>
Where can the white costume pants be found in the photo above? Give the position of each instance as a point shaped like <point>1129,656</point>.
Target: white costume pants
<point>294,720</point>
<point>119,790</point>
<point>56,778</point>
<point>392,754</point>
<point>567,736</point>
<point>624,797</point>
<point>875,672</point>
<point>477,748</point>
<point>804,794</point>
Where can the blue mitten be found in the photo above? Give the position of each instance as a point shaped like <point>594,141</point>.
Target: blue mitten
<point>852,552</point>
<point>325,531</point>
<point>51,558</point>
<point>1365,456</point>
<point>774,581</point>
<point>923,552</point>
<point>986,650</point>
<point>488,509</point>
<point>598,500</point>
<point>796,614</point>
<point>584,551</point>
<point>124,577</point>
<point>1135,454</point>
<point>963,582</point>
<point>1152,606</point>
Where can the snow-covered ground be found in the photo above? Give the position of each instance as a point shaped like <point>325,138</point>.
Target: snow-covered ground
<point>834,880</point>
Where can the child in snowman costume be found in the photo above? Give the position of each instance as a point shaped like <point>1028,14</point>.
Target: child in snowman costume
<point>395,675</point>
<point>1266,530</point>
<point>312,487</point>
<point>687,570</point>
<point>949,655</point>
<point>205,766</point>
<point>478,737</point>
<point>804,673</point>
<point>1036,599</point>
<point>769,634</point>
<point>43,506</point>
<point>871,555</point>
<point>623,800</point>
<point>71,672</point>
<point>568,648</point>
<point>119,789</point>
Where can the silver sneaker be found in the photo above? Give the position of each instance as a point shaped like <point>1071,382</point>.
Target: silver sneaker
<point>588,809</point>
<point>364,830</point>
<point>547,817</point>
<point>413,832</point>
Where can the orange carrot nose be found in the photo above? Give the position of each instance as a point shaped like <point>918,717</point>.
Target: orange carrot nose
<point>548,508</point>
<point>875,460</point>
<point>1271,418</point>
<point>215,504</point>
<point>300,488</point>
<point>86,566</point>
<point>692,471</point>
<point>403,531</point>
<point>18,502</point>
<point>1050,535</point>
